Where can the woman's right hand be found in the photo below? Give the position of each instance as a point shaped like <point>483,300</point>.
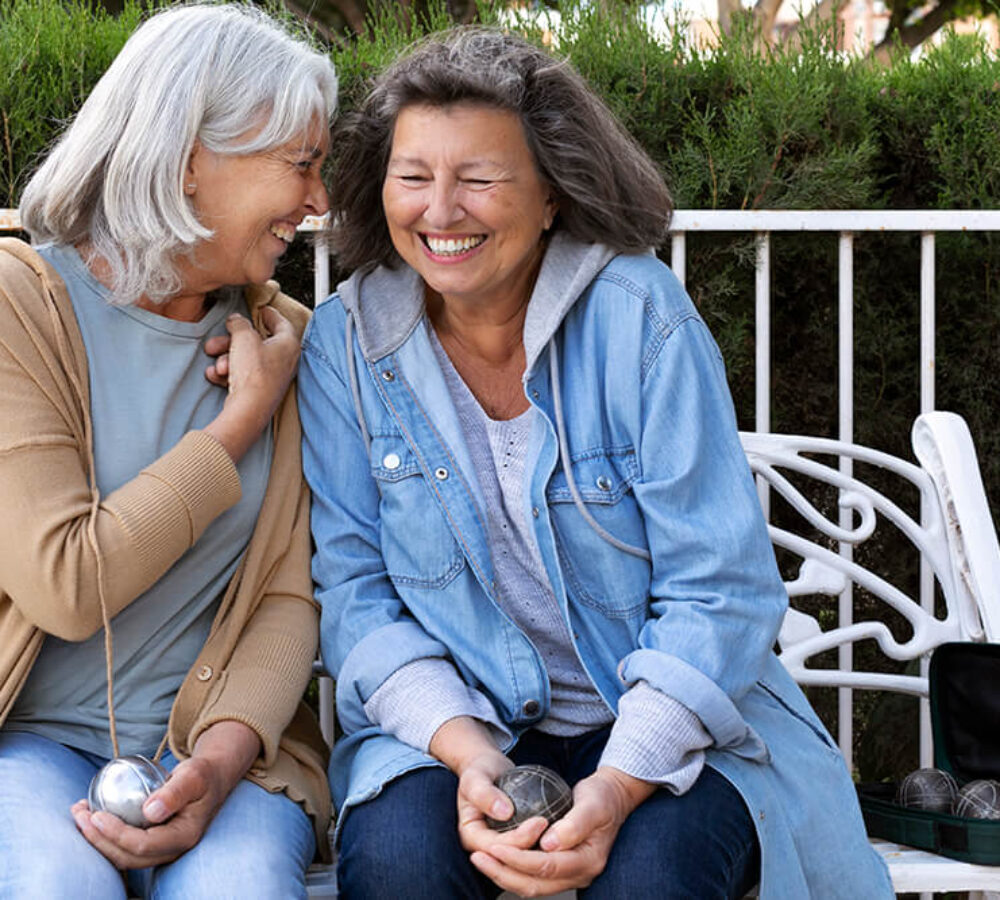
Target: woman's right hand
<point>259,371</point>
<point>479,797</point>
<point>466,747</point>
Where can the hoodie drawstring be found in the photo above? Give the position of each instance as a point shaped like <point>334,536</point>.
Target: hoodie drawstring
<point>567,464</point>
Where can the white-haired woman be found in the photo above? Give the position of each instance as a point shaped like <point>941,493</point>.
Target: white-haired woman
<point>153,492</point>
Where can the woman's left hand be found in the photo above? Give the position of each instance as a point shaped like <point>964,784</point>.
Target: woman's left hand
<point>575,849</point>
<point>185,805</point>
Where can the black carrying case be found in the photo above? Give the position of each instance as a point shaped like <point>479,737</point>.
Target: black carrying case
<point>965,717</point>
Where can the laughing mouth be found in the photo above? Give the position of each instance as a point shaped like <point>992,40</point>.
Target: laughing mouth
<point>452,246</point>
<point>284,231</point>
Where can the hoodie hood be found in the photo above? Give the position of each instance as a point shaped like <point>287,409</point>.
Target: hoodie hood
<point>386,304</point>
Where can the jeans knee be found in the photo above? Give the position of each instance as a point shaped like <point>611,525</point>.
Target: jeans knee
<point>404,843</point>
<point>83,873</point>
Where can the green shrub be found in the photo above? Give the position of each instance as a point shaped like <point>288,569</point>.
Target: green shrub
<point>51,53</point>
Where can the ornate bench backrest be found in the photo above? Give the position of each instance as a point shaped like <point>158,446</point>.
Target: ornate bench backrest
<point>950,529</point>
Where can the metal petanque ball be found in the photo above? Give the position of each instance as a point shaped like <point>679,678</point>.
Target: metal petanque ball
<point>122,786</point>
<point>534,791</point>
<point>979,800</point>
<point>932,790</point>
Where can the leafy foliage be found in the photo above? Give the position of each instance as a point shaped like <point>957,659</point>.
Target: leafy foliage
<point>51,53</point>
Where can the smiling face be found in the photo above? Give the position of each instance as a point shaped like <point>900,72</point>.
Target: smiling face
<point>253,203</point>
<point>465,204</point>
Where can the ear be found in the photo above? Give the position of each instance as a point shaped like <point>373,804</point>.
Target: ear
<point>551,210</point>
<point>193,169</point>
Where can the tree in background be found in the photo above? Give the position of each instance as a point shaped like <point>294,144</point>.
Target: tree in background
<point>911,22</point>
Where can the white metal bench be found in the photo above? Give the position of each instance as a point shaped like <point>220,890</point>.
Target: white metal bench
<point>950,530</point>
<point>825,509</point>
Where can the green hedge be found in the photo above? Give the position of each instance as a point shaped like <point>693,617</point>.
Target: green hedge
<point>732,130</point>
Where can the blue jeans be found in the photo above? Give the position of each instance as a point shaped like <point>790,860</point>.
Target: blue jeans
<point>403,844</point>
<point>257,846</point>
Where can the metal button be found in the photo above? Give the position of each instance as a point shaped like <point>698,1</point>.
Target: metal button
<point>534,511</point>
<point>535,394</point>
<point>388,375</point>
<point>391,460</point>
<point>441,473</point>
<point>604,483</point>
<point>531,707</point>
<point>205,673</point>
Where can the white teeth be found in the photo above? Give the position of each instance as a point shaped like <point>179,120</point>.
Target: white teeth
<point>453,246</point>
<point>285,232</point>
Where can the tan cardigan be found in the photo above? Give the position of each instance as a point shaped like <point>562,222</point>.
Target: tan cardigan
<point>59,539</point>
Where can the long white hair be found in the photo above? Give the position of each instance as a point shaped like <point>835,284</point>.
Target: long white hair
<point>193,73</point>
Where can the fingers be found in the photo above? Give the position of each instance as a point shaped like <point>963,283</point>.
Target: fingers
<point>477,787</point>
<point>217,344</point>
<point>187,784</point>
<point>276,324</point>
<point>237,324</point>
<point>576,826</point>
<point>533,873</point>
<point>475,834</point>
<point>218,372</point>
<point>132,848</point>
<point>595,810</point>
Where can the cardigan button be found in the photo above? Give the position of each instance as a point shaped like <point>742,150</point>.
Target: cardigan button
<point>205,673</point>
<point>531,707</point>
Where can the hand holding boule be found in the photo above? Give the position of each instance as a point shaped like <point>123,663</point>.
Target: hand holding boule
<point>534,791</point>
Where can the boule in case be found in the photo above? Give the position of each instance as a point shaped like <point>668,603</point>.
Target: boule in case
<point>965,720</point>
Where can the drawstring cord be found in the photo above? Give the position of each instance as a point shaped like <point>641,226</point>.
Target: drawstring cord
<point>567,463</point>
<point>66,352</point>
<point>95,501</point>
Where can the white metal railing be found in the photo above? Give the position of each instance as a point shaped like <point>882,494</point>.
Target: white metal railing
<point>762,223</point>
<point>844,223</point>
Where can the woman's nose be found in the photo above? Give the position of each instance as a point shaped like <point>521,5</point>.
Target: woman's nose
<point>317,200</point>
<point>443,208</point>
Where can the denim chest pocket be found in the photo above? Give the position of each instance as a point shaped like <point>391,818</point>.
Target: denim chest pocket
<point>598,574</point>
<point>418,547</point>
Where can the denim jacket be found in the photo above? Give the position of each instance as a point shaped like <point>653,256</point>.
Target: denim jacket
<point>681,589</point>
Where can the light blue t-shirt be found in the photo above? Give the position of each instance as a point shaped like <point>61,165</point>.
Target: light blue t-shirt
<point>147,389</point>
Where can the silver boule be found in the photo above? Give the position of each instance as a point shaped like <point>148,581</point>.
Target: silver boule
<point>122,786</point>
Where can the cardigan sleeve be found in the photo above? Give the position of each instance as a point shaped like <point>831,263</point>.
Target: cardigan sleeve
<point>62,546</point>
